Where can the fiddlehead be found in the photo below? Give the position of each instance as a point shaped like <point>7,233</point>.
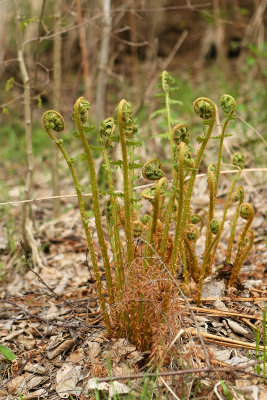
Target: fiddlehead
<point>228,104</point>
<point>106,133</point>
<point>180,133</point>
<point>53,121</point>
<point>152,170</point>
<point>239,160</point>
<point>204,108</point>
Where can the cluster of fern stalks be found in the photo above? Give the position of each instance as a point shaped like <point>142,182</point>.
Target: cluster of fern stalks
<point>137,293</point>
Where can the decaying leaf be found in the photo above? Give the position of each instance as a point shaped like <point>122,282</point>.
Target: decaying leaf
<point>67,379</point>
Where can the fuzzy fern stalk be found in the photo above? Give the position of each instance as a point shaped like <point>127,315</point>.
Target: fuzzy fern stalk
<point>206,110</point>
<point>228,105</point>
<point>237,197</point>
<point>53,121</point>
<point>80,109</point>
<point>125,124</point>
<point>245,241</point>
<point>180,134</point>
<point>239,162</point>
<point>106,134</point>
<point>152,171</point>
<point>215,228</point>
<point>178,230</point>
<point>212,196</point>
<point>167,85</point>
<point>160,186</point>
<point>166,80</point>
<point>190,238</point>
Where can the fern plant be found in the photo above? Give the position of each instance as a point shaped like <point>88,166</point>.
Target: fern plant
<point>136,296</point>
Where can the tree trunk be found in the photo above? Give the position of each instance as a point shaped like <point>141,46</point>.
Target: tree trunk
<point>3,28</point>
<point>28,132</point>
<point>56,100</point>
<point>84,52</point>
<point>103,62</point>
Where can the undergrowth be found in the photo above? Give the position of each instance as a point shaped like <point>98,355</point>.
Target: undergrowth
<point>137,297</point>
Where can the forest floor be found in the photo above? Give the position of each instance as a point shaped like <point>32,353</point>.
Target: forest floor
<point>50,319</point>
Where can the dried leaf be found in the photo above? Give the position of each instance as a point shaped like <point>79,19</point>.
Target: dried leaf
<point>67,379</point>
<point>62,347</point>
<point>118,388</point>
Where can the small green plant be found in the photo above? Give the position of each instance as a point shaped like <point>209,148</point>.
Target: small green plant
<point>7,353</point>
<point>137,294</point>
<point>226,390</point>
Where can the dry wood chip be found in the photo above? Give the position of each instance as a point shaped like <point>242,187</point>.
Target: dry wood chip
<point>60,349</point>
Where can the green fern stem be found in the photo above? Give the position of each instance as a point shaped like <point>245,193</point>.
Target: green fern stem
<point>240,198</point>
<point>226,206</point>
<point>240,258</point>
<point>127,195</point>
<point>247,213</point>
<point>156,207</point>
<point>212,195</point>
<point>205,108</point>
<point>192,260</point>
<point>218,168</point>
<point>178,232</point>
<point>185,267</point>
<point>165,77</point>
<point>79,118</point>
<point>59,142</point>
<point>228,198</point>
<point>228,105</point>
<point>117,251</point>
<point>207,257</point>
<point>169,213</point>
<point>180,133</point>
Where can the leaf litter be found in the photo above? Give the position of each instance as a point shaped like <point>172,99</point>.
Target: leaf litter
<point>61,346</point>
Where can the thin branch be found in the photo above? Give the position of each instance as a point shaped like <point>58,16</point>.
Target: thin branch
<point>117,191</point>
<point>39,277</point>
<point>251,127</point>
<point>238,368</point>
